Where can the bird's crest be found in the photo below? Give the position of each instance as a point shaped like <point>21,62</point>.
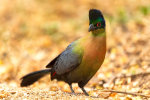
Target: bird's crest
<point>95,14</point>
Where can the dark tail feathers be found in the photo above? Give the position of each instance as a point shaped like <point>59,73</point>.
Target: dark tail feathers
<point>33,77</point>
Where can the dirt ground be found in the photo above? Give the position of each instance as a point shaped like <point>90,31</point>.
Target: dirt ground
<point>30,93</point>
<point>33,32</point>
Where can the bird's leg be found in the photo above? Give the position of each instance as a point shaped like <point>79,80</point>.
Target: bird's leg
<point>72,91</point>
<point>84,91</point>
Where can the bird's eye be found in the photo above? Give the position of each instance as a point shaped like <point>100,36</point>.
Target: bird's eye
<point>98,24</point>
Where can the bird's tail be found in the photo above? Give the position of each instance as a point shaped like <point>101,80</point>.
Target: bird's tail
<point>33,77</point>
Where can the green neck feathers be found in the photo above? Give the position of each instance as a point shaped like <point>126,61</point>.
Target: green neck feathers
<point>98,33</point>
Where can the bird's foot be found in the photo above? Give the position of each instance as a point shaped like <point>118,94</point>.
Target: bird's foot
<point>72,93</point>
<point>93,97</point>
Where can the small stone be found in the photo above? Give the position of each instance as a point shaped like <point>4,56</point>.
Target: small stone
<point>53,88</point>
<point>13,92</point>
<point>53,94</point>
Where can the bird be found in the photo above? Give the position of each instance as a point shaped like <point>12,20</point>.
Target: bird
<point>80,61</point>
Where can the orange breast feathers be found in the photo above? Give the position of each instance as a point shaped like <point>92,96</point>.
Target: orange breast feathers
<point>95,50</point>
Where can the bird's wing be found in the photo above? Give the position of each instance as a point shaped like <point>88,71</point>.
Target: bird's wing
<point>67,60</point>
<point>51,64</point>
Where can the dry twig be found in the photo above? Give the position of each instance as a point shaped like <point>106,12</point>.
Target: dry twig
<point>134,75</point>
<point>112,80</point>
<point>124,92</point>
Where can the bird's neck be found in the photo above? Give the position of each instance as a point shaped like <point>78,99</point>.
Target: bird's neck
<point>98,33</point>
<point>98,38</point>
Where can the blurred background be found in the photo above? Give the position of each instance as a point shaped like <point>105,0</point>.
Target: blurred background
<point>33,32</point>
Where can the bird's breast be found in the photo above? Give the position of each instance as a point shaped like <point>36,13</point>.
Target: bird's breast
<point>93,56</point>
<point>95,51</point>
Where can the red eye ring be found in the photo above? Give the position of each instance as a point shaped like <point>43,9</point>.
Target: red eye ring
<point>99,24</point>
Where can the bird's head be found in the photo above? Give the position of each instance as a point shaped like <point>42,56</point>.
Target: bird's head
<point>96,20</point>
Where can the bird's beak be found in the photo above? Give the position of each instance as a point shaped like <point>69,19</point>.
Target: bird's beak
<point>91,27</point>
